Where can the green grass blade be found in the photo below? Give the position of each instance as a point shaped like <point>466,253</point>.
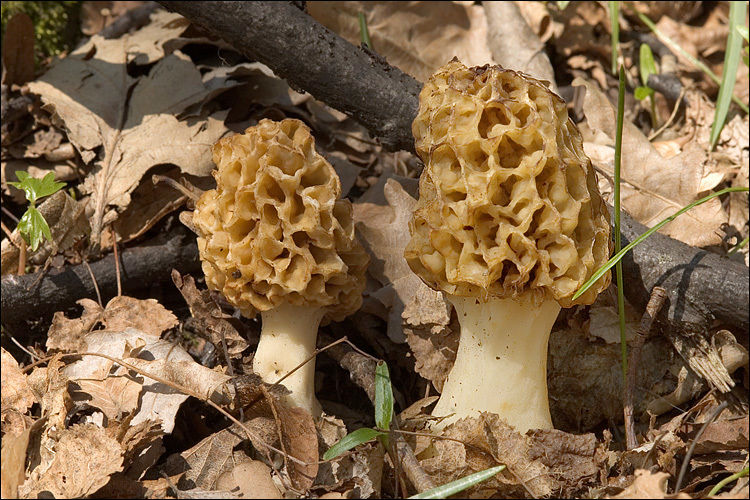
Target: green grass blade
<point>383,396</point>
<point>616,258</point>
<point>614,19</point>
<point>676,48</point>
<point>352,440</point>
<point>364,33</point>
<point>618,209</point>
<point>744,472</point>
<point>739,246</point>
<point>460,485</point>
<point>729,74</point>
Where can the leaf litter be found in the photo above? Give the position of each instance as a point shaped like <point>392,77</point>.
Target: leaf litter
<point>153,101</point>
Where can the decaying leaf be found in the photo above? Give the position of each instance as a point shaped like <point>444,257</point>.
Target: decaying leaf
<point>16,393</point>
<point>648,484</point>
<point>418,37</point>
<point>489,442</point>
<point>13,460</point>
<point>252,479</point>
<point>211,320</point>
<point>133,120</point>
<point>84,458</point>
<point>653,187</point>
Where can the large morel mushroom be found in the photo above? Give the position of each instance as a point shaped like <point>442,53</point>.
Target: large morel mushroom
<point>275,238</point>
<point>509,225</point>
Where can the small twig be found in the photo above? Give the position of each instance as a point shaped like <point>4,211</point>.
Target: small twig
<point>653,135</point>
<point>186,391</point>
<point>117,259</point>
<point>9,214</point>
<point>12,339</point>
<point>655,303</point>
<point>176,185</point>
<point>697,437</point>
<point>416,474</point>
<point>93,279</point>
<point>7,232</point>
<point>22,258</point>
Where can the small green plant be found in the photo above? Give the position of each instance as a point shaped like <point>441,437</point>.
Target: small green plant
<point>383,418</point>
<point>32,225</point>
<point>648,68</point>
<point>728,480</point>
<point>729,74</point>
<point>364,33</point>
<point>742,30</point>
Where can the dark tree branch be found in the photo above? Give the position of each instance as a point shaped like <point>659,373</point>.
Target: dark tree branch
<point>701,286</point>
<point>28,297</point>
<point>313,59</point>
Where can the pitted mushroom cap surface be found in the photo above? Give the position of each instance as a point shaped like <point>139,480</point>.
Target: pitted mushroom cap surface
<point>274,230</point>
<point>509,203</point>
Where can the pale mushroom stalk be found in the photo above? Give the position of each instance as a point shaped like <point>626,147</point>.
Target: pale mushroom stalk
<point>291,330</point>
<point>508,225</point>
<point>501,362</point>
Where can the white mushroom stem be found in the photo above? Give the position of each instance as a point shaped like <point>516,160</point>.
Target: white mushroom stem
<point>287,340</point>
<point>501,362</point>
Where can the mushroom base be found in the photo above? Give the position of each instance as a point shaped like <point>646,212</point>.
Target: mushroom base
<point>501,362</point>
<point>288,339</point>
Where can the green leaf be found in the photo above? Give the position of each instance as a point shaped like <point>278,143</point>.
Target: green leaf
<point>648,66</point>
<point>743,31</point>
<point>616,258</point>
<point>729,75</point>
<point>562,4</point>
<point>37,188</point>
<point>383,396</point>
<point>352,440</point>
<point>33,227</point>
<point>460,485</point>
<point>641,93</point>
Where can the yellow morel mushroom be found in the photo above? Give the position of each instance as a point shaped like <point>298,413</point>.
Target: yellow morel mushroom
<point>275,238</point>
<point>509,225</point>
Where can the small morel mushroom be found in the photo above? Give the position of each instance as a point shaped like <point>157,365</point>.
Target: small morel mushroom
<point>509,225</point>
<point>275,238</point>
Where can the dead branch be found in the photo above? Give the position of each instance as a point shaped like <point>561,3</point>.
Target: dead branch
<point>23,298</point>
<point>702,287</point>
<point>313,59</point>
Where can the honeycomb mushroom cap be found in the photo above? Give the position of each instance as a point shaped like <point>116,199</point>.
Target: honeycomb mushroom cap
<point>509,203</point>
<point>274,230</point>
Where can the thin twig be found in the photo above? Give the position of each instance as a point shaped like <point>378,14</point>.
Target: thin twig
<point>117,259</point>
<point>661,129</point>
<point>93,279</point>
<point>33,356</point>
<point>697,437</point>
<point>22,258</point>
<point>176,185</point>
<point>186,391</point>
<point>9,214</point>
<point>655,303</point>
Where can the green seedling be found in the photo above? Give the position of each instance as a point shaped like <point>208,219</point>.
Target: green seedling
<point>742,30</point>
<point>732,55</point>
<point>675,47</point>
<point>618,243</point>
<point>383,418</point>
<point>562,5</point>
<point>648,68</point>
<point>32,225</point>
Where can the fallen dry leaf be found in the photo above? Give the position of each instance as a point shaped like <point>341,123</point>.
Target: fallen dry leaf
<point>133,120</point>
<point>84,458</point>
<point>146,315</point>
<point>252,479</point>
<point>16,394</point>
<point>211,321</point>
<point>13,460</point>
<point>648,484</point>
<point>653,187</point>
<point>417,37</point>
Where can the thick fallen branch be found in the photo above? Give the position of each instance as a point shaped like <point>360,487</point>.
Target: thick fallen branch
<point>313,59</point>
<point>31,298</point>
<point>701,286</point>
